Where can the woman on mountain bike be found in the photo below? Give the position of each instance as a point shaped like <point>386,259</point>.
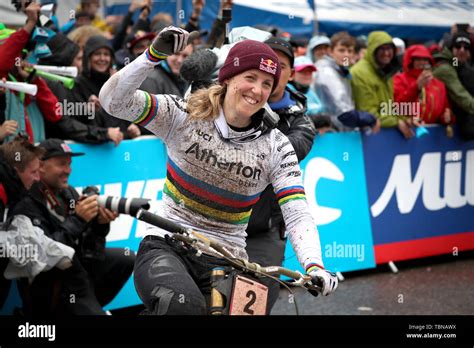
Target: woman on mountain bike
<point>222,153</point>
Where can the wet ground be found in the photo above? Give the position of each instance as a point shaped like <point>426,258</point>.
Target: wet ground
<point>433,286</point>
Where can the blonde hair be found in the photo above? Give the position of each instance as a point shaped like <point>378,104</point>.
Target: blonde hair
<point>205,104</point>
<point>83,33</point>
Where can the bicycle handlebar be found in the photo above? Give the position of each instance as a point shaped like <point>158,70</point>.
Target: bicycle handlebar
<point>192,238</point>
<point>160,222</point>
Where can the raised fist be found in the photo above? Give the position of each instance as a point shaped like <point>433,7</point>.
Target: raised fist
<point>172,40</point>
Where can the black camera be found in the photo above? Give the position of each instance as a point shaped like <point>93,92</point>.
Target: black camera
<point>270,117</point>
<point>90,191</point>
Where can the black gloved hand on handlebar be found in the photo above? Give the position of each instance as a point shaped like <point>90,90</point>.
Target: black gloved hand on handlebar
<point>325,279</point>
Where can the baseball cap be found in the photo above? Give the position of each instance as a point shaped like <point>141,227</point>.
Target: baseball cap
<point>318,41</point>
<point>57,148</point>
<point>303,62</point>
<point>400,44</point>
<point>461,38</point>
<point>136,37</point>
<point>283,46</point>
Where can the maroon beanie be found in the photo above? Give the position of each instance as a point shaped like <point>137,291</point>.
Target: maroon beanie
<point>251,54</point>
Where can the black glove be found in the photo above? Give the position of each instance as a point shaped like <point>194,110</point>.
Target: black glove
<point>172,40</point>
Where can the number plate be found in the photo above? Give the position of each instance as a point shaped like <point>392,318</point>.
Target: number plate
<point>248,297</point>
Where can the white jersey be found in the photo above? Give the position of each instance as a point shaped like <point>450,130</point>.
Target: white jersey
<point>212,184</point>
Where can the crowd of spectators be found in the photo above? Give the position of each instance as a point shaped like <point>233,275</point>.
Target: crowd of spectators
<point>328,84</point>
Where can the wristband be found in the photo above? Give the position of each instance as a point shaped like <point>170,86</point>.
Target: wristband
<point>313,266</point>
<point>155,56</point>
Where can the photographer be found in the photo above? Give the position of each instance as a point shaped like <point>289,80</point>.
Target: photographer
<point>77,221</point>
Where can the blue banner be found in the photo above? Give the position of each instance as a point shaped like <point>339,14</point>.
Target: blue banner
<point>420,187</point>
<point>336,193</point>
<point>421,193</point>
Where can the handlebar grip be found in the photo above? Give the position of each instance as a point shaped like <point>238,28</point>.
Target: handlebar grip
<point>160,222</point>
<point>317,282</point>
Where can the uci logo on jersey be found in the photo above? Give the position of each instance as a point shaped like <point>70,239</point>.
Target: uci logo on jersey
<point>205,136</point>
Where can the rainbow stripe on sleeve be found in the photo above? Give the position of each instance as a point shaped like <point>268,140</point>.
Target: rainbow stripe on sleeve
<point>149,111</point>
<point>291,193</point>
<point>154,56</point>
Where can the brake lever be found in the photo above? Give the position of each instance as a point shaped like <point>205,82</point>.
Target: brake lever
<point>314,284</point>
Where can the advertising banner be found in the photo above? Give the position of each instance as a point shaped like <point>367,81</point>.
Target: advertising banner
<point>421,194</point>
<point>336,192</point>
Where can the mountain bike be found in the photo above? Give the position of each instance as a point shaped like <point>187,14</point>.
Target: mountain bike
<point>235,290</point>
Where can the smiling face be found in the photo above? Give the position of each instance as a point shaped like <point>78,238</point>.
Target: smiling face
<point>384,55</point>
<point>175,61</point>
<point>55,172</point>
<point>100,60</point>
<point>420,63</point>
<point>246,93</point>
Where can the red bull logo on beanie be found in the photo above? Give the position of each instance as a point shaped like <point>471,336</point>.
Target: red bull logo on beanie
<point>268,66</point>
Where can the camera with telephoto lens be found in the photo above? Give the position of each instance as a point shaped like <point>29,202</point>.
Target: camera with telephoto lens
<point>121,205</point>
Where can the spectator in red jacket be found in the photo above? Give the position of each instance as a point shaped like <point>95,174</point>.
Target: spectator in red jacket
<point>417,84</point>
<point>29,113</point>
<point>38,117</point>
